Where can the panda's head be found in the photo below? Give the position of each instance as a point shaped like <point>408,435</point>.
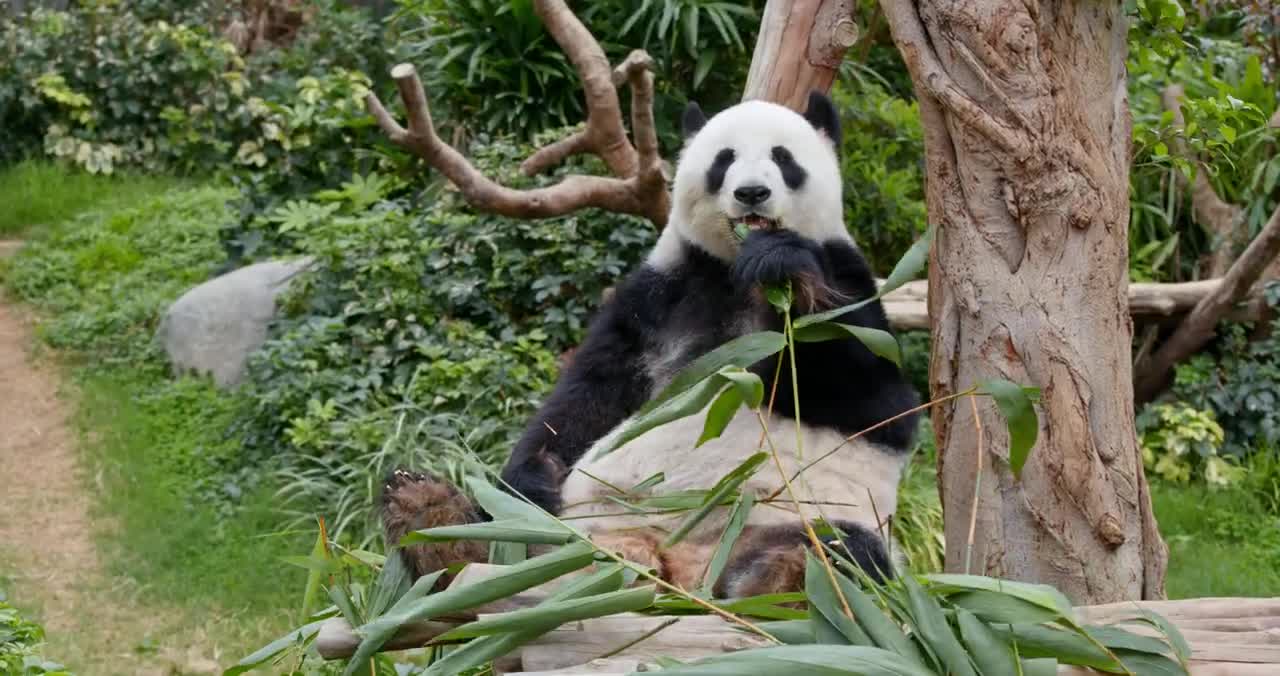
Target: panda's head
<point>761,165</point>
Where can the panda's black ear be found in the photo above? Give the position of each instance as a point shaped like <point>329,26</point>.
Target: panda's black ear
<point>693,119</point>
<point>822,114</point>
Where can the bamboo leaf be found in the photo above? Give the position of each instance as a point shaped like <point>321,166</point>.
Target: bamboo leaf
<point>506,530</point>
<point>993,656</point>
<point>1003,608</point>
<point>723,488</point>
<point>515,579</point>
<point>1015,403</point>
<point>551,615</point>
<point>822,595</point>
<point>742,351</point>
<point>737,520</point>
<point>911,264</point>
<point>1173,637</point>
<point>392,584</point>
<point>719,414</point>
<point>907,269</point>
<point>1041,595</point>
<point>791,632</point>
<point>502,505</point>
<point>932,627</point>
<point>884,632</point>
<point>300,636</point>
<point>881,343</point>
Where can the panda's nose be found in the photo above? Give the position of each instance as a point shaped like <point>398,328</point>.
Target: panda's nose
<point>751,195</point>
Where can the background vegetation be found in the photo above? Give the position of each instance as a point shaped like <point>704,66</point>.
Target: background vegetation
<point>143,152</point>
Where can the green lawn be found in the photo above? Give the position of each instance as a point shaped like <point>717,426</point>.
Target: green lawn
<point>40,193</point>
<point>1221,542</point>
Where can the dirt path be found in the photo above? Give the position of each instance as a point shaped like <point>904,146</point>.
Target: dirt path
<point>48,559</point>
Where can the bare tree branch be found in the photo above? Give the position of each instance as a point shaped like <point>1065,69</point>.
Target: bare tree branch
<point>1212,212</point>
<point>1197,329</point>
<point>630,195</point>
<point>637,186</point>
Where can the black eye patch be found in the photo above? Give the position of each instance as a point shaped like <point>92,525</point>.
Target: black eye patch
<point>792,173</point>
<point>716,172</point>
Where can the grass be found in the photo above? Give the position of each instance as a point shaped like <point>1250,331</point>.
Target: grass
<point>37,193</point>
<point>1221,542</point>
<point>98,277</point>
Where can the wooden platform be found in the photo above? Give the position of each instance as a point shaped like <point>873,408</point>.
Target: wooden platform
<point>1228,636</point>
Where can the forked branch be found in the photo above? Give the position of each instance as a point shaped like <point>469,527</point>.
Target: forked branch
<point>637,186</point>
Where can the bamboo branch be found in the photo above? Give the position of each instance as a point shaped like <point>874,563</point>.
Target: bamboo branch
<point>1197,329</point>
<point>637,186</point>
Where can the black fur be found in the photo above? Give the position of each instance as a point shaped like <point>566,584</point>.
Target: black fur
<point>607,379</point>
<point>793,174</point>
<point>822,114</point>
<point>842,384</point>
<point>717,170</point>
<point>693,119</point>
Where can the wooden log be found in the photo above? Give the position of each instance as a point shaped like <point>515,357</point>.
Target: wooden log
<point>907,306</point>
<point>641,637</point>
<point>607,667</point>
<point>336,639</point>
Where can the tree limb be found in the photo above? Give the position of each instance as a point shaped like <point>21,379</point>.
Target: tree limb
<point>1212,212</point>
<point>637,186</point>
<point>1197,329</point>
<point>799,48</point>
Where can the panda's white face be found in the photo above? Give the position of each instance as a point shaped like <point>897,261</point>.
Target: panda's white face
<point>758,164</point>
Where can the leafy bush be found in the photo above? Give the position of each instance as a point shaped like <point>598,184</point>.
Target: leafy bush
<point>96,86</point>
<point>20,643</point>
<point>1179,441</point>
<point>1229,96</point>
<point>1239,382</point>
<point>426,334</point>
<point>107,276</point>
<point>495,66</point>
<point>881,161</point>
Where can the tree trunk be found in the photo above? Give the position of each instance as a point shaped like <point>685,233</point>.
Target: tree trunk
<point>1027,139</point>
<point>799,49</point>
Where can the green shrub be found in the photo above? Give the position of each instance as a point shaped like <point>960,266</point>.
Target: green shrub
<point>426,335</point>
<point>1238,380</point>
<point>881,162</point>
<point>494,66</point>
<point>1179,441</point>
<point>107,276</point>
<point>20,643</point>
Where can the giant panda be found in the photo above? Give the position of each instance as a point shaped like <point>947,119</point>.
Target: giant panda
<point>777,172</point>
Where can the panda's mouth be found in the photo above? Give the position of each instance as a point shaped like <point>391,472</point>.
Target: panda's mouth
<point>754,222</point>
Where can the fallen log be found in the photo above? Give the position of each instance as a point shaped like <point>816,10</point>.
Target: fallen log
<point>1239,636</point>
<point>907,305</point>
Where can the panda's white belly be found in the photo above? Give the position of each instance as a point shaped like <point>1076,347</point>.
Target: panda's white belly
<point>857,483</point>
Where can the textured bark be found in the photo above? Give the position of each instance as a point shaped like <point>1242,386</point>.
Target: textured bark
<point>1027,140</point>
<point>799,49</point>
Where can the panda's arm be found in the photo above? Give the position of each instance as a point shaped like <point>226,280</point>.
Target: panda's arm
<point>842,384</point>
<point>604,383</point>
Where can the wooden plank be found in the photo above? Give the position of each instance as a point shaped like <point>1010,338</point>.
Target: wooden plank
<point>607,667</point>
<point>686,637</point>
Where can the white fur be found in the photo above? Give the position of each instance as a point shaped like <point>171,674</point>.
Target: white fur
<point>752,129</point>
<point>857,483</point>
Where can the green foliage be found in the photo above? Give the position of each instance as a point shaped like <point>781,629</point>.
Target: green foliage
<point>1179,441</point>
<point>882,163</point>
<point>20,646</point>
<point>427,332</point>
<point>493,64</point>
<point>38,193</point>
<point>1239,382</point>
<point>1229,96</point>
<point>95,84</point>
<point>107,276</point>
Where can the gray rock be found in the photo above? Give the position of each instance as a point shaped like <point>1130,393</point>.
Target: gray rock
<point>214,327</point>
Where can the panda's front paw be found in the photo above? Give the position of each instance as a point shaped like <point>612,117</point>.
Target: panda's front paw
<point>773,257</point>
